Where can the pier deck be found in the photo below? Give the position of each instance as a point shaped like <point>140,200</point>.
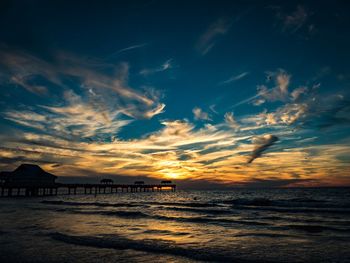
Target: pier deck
<point>74,189</point>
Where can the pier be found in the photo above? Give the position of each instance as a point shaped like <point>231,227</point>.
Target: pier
<point>31,181</point>
<point>87,189</point>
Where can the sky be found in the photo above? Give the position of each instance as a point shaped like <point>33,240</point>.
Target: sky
<point>205,93</point>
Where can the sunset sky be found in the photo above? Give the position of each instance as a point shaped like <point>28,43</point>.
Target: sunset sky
<point>254,93</point>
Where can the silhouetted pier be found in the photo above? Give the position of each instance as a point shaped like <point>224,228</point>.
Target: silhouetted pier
<point>30,180</point>
<point>87,189</point>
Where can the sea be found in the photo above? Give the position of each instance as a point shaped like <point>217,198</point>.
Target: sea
<point>240,225</point>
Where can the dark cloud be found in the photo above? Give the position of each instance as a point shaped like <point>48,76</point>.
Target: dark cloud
<point>261,145</point>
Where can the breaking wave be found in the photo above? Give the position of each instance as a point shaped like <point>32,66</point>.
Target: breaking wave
<point>149,245</point>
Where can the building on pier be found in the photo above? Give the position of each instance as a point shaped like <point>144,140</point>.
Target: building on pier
<point>28,175</point>
<point>106,181</point>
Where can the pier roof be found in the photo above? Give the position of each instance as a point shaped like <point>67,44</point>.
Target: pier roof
<point>28,174</point>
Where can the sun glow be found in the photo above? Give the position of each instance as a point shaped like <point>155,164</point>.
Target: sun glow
<point>172,175</point>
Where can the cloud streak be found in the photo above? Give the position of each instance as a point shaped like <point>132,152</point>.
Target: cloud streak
<point>234,78</point>
<point>137,46</point>
<point>165,66</point>
<point>210,37</point>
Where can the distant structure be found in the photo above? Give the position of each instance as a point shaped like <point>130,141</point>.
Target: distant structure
<point>166,182</point>
<point>30,180</point>
<point>106,181</point>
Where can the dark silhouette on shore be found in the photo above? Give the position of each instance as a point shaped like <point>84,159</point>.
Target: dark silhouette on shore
<point>31,180</point>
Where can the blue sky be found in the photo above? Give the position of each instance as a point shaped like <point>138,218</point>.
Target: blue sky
<point>238,94</point>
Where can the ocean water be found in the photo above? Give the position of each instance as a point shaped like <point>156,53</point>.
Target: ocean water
<point>265,225</point>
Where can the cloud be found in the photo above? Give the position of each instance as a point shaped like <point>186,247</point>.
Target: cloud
<point>75,132</point>
<point>75,120</point>
<point>127,49</point>
<point>298,92</point>
<point>234,78</point>
<point>106,92</point>
<point>212,108</point>
<point>33,88</point>
<point>230,120</point>
<point>210,37</point>
<point>261,144</point>
<point>277,93</point>
<point>276,183</point>
<point>308,108</point>
<point>177,151</point>
<point>158,110</point>
<point>165,66</point>
<point>287,114</point>
<point>295,21</point>
<point>199,114</point>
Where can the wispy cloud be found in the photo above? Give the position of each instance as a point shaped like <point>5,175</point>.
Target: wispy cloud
<point>165,66</point>
<point>127,49</point>
<point>102,90</point>
<point>199,114</point>
<point>306,107</point>
<point>234,78</point>
<point>296,20</point>
<point>210,37</point>
<point>212,108</point>
<point>278,93</point>
<point>75,120</point>
<point>31,87</point>
<point>230,120</point>
<point>98,108</point>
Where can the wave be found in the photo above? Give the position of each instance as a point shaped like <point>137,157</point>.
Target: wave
<point>150,245</point>
<point>140,215</point>
<point>204,211</point>
<point>296,205</point>
<point>250,202</point>
<point>313,220</point>
<point>272,235</point>
<point>316,228</point>
<point>209,220</point>
<point>189,204</point>
<point>119,213</point>
<point>124,214</point>
<point>165,232</point>
<point>99,204</point>
<point>296,210</point>
<point>280,202</point>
